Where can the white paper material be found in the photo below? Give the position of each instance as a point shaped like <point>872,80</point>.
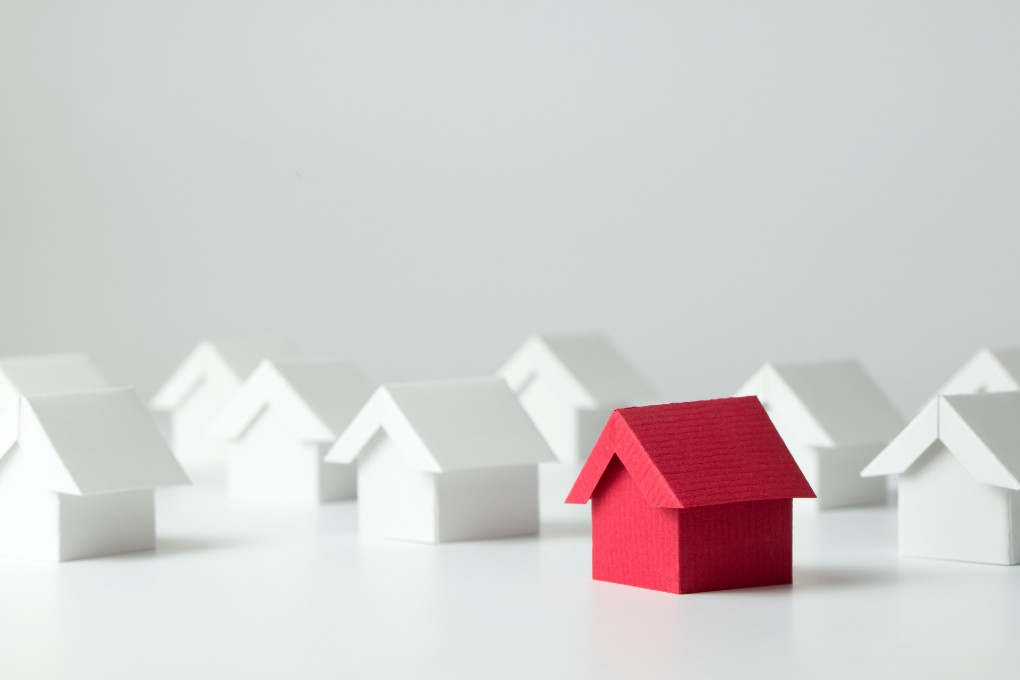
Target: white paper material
<point>38,374</point>
<point>958,494</point>
<point>76,475</point>
<point>280,424</point>
<point>835,420</point>
<point>569,384</point>
<point>270,464</point>
<point>445,461</point>
<point>990,370</point>
<point>199,389</point>
<point>944,513</point>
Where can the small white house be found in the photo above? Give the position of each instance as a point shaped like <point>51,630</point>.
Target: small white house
<point>834,419</point>
<point>199,389</point>
<point>280,424</point>
<point>34,374</point>
<point>570,384</point>
<point>958,464</point>
<point>990,370</point>
<point>77,473</point>
<point>449,460</point>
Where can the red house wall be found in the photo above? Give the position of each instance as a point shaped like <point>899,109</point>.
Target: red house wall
<point>718,547</point>
<point>632,542</point>
<point>736,545</point>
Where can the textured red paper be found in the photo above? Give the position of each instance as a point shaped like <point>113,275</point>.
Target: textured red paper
<point>696,453</point>
<point>691,497</point>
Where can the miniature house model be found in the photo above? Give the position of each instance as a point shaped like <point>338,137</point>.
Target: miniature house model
<point>691,497</point>
<point>280,424</point>
<point>958,463</point>
<point>834,419</point>
<point>77,473</point>
<point>199,389</point>
<point>46,374</point>
<point>990,370</point>
<point>449,460</point>
<point>569,384</point>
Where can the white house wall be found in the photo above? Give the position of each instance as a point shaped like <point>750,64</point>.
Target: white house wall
<point>571,432</point>
<point>554,483</point>
<point>269,463</point>
<point>554,416</point>
<point>394,499</point>
<point>29,515</point>
<point>189,439</point>
<point>488,503</point>
<point>107,524</point>
<point>839,483</point>
<point>944,513</point>
<point>1014,507</point>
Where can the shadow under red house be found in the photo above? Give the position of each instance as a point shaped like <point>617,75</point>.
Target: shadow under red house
<point>692,497</point>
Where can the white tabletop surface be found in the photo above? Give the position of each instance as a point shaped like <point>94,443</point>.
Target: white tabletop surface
<point>242,590</point>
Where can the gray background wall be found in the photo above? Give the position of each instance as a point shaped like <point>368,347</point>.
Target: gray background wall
<point>421,184</point>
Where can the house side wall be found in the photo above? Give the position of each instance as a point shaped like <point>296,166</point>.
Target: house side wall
<point>189,424</point>
<point>107,524</point>
<point>29,515</point>
<point>837,477</point>
<point>337,482</point>
<point>490,503</point>
<point>555,417</point>
<point>269,463</point>
<point>944,513</point>
<point>1014,526</point>
<point>633,543</point>
<point>394,499</point>
<point>736,545</point>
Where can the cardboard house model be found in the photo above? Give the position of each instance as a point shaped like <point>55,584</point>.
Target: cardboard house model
<point>280,424</point>
<point>990,370</point>
<point>834,419</point>
<point>450,460</point>
<point>46,374</point>
<point>691,497</point>
<point>569,384</point>
<point>958,463</point>
<point>199,389</point>
<point>77,473</point>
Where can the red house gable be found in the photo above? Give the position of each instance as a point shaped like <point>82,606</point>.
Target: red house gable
<point>696,454</point>
<point>691,497</point>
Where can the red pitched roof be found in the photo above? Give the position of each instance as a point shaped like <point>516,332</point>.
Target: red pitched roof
<point>697,453</point>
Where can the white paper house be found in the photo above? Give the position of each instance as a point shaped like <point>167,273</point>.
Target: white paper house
<point>441,461</point>
<point>199,389</point>
<point>280,424</point>
<point>990,370</point>
<point>834,419</point>
<point>570,384</point>
<point>77,473</point>
<point>958,463</point>
<point>46,374</point>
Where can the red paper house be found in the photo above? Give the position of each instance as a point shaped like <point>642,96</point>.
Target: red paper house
<point>691,497</point>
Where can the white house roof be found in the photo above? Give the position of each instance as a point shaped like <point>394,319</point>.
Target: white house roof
<point>990,370</point>
<point>981,430</point>
<point>318,397</point>
<point>236,356</point>
<point>830,404</point>
<point>83,443</point>
<point>47,374</point>
<point>589,370</point>
<point>447,425</point>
